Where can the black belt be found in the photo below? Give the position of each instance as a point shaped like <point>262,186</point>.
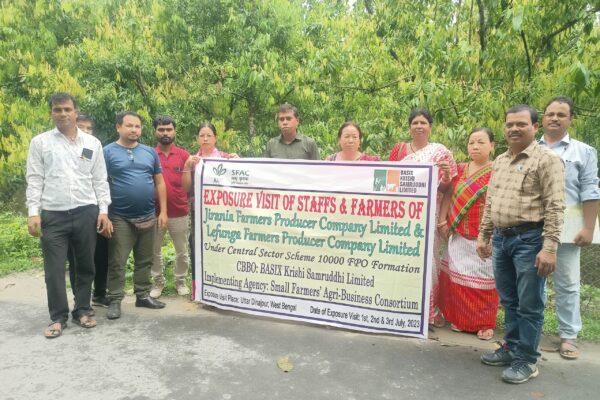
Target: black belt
<point>515,230</point>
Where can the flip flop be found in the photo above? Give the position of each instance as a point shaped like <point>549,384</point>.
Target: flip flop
<point>85,321</point>
<point>568,349</point>
<point>438,321</point>
<point>54,330</point>
<point>485,334</point>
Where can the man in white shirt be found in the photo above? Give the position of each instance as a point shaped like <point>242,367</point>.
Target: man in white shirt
<point>67,201</point>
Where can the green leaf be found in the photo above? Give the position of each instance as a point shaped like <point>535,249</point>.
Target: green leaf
<point>517,21</point>
<point>581,76</point>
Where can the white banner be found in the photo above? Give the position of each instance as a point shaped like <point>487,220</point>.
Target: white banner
<point>343,244</point>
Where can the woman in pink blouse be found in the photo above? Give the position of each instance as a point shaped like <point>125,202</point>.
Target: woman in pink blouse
<point>207,139</point>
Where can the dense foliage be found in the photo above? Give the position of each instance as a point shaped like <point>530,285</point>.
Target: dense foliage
<point>233,61</point>
<point>19,251</point>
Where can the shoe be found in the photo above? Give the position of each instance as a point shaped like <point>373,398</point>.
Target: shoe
<point>100,301</point>
<point>157,290</point>
<point>182,290</point>
<point>149,302</point>
<point>114,310</point>
<point>519,372</point>
<point>499,357</point>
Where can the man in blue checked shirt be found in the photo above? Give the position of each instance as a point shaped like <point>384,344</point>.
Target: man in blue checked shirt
<point>581,191</point>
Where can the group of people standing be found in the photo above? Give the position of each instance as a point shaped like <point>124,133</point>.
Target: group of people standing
<point>501,220</point>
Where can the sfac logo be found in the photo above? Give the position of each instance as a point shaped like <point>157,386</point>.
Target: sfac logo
<point>219,170</point>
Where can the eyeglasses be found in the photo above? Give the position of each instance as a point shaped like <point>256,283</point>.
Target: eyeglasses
<point>559,115</point>
<point>130,155</point>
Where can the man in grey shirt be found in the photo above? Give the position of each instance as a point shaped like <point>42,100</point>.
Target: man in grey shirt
<point>291,144</point>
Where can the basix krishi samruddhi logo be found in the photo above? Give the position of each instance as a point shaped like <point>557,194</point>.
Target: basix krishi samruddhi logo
<point>386,180</point>
<point>398,180</point>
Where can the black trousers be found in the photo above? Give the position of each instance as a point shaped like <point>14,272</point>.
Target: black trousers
<point>60,229</point>
<point>100,264</point>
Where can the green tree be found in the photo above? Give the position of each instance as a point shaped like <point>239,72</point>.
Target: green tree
<point>233,61</point>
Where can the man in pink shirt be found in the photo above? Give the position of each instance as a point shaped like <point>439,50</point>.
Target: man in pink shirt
<point>172,161</point>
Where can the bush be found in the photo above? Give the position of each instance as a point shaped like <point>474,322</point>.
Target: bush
<point>19,251</point>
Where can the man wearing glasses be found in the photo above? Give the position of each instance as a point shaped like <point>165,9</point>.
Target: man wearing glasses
<point>581,193</point>
<point>134,173</point>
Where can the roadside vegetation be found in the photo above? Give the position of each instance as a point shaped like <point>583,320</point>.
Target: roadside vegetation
<point>20,252</point>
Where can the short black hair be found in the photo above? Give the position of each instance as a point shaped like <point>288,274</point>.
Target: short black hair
<point>287,107</point>
<point>122,115</point>
<point>84,117</point>
<point>347,124</point>
<point>523,107</point>
<point>562,99</point>
<point>486,130</point>
<point>209,126</point>
<point>164,120</point>
<point>61,97</point>
<point>415,112</point>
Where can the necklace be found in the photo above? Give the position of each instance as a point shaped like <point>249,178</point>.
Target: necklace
<point>411,149</point>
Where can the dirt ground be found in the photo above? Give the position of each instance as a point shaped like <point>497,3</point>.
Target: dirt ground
<point>188,351</point>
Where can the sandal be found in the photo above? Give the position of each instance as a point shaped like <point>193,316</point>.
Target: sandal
<point>455,328</point>
<point>55,329</point>
<point>485,334</point>
<point>568,349</point>
<point>438,321</point>
<point>85,321</point>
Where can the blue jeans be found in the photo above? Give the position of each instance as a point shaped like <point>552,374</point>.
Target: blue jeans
<point>521,291</point>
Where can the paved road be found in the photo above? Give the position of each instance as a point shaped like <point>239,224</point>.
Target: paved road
<point>189,352</point>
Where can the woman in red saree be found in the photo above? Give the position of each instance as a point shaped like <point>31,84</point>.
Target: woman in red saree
<point>420,150</point>
<point>468,298</point>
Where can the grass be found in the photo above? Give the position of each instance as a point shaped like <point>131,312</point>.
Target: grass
<point>590,313</point>
<point>20,252</point>
<point>168,256</point>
